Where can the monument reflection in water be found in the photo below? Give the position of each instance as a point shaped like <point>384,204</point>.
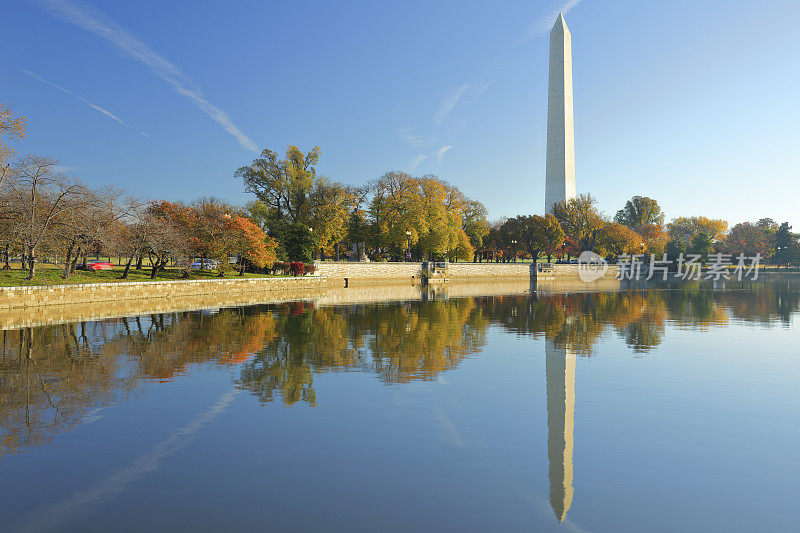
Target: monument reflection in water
<point>55,378</point>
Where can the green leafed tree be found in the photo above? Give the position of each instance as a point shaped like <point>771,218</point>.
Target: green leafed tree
<point>640,211</point>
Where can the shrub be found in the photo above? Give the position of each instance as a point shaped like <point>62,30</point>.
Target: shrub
<point>297,268</point>
<point>281,266</point>
<point>310,268</point>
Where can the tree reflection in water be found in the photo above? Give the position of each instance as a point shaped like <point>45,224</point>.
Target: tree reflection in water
<point>52,377</point>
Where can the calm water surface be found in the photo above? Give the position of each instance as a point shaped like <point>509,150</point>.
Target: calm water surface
<point>658,410</point>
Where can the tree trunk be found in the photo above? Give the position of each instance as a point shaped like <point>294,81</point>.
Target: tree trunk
<point>67,270</point>
<point>31,264</point>
<point>127,267</point>
<point>7,266</point>
<point>24,260</point>
<point>139,260</point>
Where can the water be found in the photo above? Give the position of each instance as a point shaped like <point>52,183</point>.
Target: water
<point>659,410</point>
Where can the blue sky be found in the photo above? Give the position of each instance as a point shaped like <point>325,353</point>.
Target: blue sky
<point>693,103</point>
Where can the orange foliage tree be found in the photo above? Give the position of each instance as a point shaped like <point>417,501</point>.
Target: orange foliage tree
<point>251,244</point>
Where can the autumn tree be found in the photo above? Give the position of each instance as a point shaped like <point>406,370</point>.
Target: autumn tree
<point>580,220</point>
<point>655,239</point>
<point>12,129</point>
<point>141,227</point>
<point>37,197</point>
<point>767,224</point>
<point>250,243</point>
<point>749,239</point>
<point>169,235</point>
<point>95,220</point>
<point>331,205</point>
<point>615,239</point>
<point>425,212</point>
<point>687,228</point>
<point>539,234</point>
<point>292,198</point>
<point>474,222</point>
<point>284,185</point>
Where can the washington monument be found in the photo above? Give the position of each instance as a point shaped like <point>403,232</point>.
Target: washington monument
<point>560,173</point>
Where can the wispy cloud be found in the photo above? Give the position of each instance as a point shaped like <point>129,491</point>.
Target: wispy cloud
<point>545,22</point>
<point>96,107</point>
<point>99,24</point>
<point>143,134</point>
<point>465,93</point>
<point>417,161</point>
<point>450,103</point>
<point>415,140</point>
<point>440,153</point>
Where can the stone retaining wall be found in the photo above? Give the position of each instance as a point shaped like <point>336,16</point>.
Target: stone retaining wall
<point>361,273</point>
<point>458,271</point>
<point>102,293</point>
<point>339,270</point>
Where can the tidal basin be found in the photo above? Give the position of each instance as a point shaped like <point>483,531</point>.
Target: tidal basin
<point>661,409</point>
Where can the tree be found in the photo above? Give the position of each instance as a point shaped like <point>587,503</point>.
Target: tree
<point>638,212</point>
<point>580,220</point>
<point>655,239</point>
<point>674,249</point>
<point>426,212</point>
<point>94,221</point>
<point>37,197</point>
<point>701,245</point>
<point>299,243</point>
<point>330,210</point>
<point>12,129</point>
<point>786,245</point>
<point>767,224</point>
<point>251,244</point>
<point>290,192</point>
<point>749,239</point>
<point>141,228</point>
<point>283,185</point>
<point>616,239</point>
<point>540,234</point>
<point>474,222</point>
<point>687,228</point>
<point>169,235</point>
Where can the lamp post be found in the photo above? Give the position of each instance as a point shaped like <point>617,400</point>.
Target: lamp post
<point>514,243</point>
<point>408,245</point>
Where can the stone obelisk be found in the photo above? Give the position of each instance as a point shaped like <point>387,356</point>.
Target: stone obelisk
<point>560,173</point>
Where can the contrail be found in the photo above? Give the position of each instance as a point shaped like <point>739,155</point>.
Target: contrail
<point>96,107</point>
<point>113,485</point>
<point>95,22</point>
<point>449,103</point>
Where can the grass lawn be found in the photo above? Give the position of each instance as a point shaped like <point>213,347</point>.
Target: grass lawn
<point>49,274</point>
